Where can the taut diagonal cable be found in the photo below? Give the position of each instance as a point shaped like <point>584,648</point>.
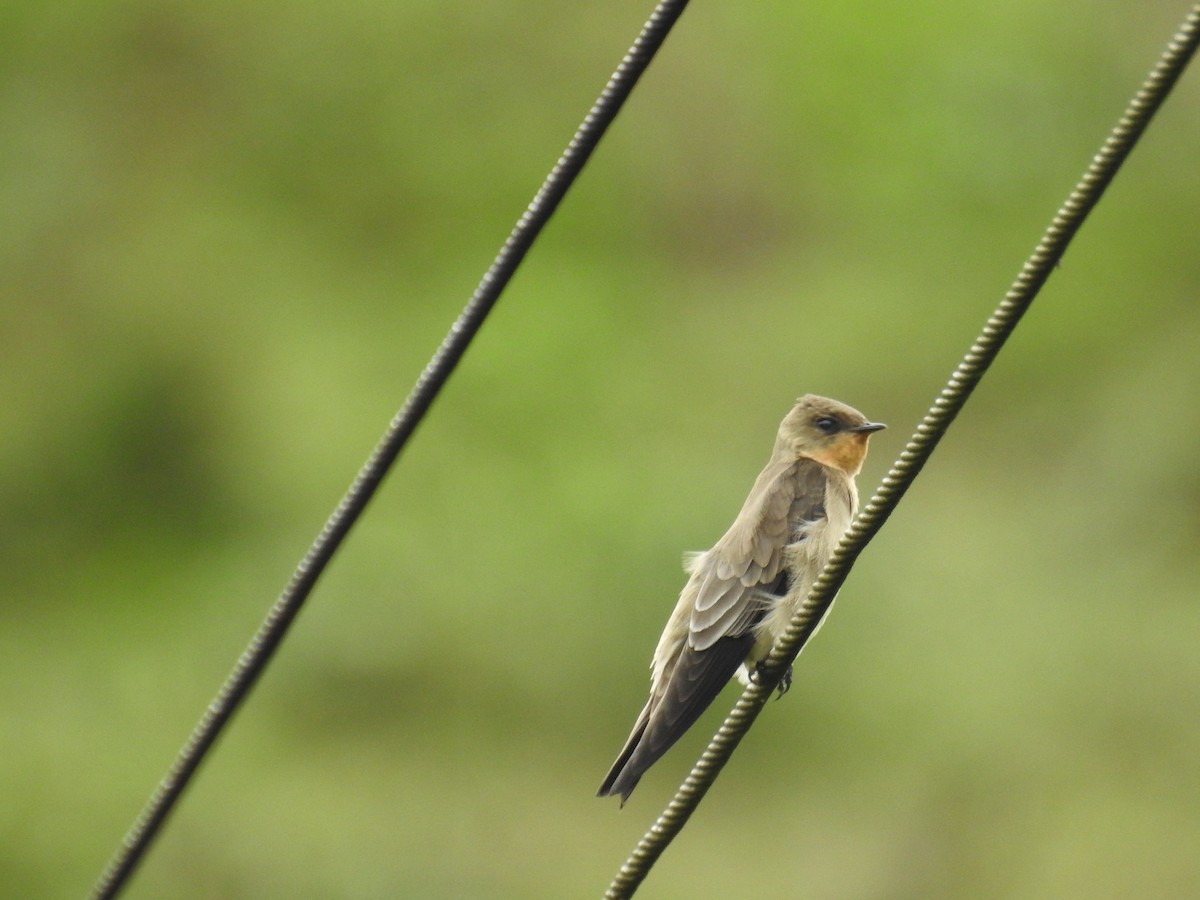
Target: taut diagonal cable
<point>281,614</point>
<point>949,403</point>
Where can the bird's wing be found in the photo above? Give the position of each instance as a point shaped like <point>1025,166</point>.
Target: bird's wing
<point>711,631</point>
<point>735,580</point>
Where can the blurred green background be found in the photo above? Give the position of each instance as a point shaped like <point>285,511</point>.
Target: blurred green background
<point>232,236</point>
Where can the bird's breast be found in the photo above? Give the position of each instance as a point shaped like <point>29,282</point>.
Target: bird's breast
<point>813,542</point>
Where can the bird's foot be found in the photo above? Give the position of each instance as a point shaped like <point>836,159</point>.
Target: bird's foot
<point>785,682</point>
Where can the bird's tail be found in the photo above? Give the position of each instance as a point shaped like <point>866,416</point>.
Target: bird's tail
<point>687,690</point>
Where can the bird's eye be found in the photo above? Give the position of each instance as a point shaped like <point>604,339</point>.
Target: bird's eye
<point>827,424</point>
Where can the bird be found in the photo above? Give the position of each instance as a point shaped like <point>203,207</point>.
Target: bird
<point>741,594</point>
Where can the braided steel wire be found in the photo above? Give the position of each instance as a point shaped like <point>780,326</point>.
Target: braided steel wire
<point>280,616</point>
<point>974,365</point>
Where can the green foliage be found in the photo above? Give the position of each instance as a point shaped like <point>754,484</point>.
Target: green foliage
<point>233,235</point>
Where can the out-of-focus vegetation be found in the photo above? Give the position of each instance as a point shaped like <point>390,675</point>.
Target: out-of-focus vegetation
<point>233,234</point>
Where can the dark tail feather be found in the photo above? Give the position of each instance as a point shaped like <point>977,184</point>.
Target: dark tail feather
<point>692,685</point>
<point>619,780</point>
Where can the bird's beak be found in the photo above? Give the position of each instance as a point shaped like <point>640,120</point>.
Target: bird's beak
<point>868,427</point>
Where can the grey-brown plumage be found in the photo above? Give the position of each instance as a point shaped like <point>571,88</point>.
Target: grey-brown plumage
<point>742,593</point>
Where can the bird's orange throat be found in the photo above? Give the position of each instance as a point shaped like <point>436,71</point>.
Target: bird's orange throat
<point>847,453</point>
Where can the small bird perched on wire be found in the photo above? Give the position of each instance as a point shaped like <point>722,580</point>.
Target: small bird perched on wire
<point>742,593</point>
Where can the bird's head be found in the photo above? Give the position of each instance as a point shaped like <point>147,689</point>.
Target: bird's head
<point>829,432</point>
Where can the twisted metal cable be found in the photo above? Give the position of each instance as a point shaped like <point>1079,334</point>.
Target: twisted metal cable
<point>929,432</point>
<point>279,617</point>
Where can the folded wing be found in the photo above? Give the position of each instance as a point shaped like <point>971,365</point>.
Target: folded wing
<point>712,629</point>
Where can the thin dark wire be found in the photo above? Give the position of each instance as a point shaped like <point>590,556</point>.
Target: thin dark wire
<point>278,619</point>
<point>899,478</point>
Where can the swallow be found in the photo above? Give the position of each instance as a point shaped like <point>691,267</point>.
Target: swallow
<point>742,594</point>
